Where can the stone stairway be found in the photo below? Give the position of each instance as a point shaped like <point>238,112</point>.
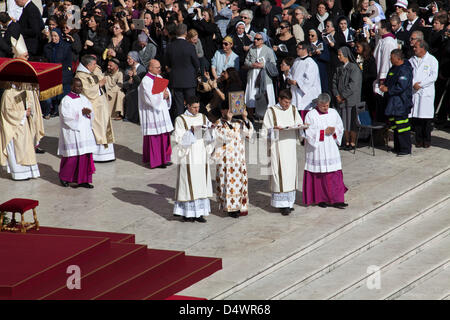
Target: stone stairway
<point>406,238</point>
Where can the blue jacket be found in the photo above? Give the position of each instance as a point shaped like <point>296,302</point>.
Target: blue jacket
<point>399,95</point>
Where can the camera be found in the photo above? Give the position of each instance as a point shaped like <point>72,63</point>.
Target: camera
<point>120,15</point>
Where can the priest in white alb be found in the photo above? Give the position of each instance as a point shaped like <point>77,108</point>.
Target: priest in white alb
<point>103,132</point>
<point>194,136</point>
<point>323,182</point>
<point>154,115</point>
<point>17,135</point>
<point>304,78</point>
<point>282,126</point>
<point>76,138</point>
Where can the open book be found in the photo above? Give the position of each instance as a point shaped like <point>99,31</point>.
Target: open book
<point>296,127</point>
<point>318,47</point>
<point>282,47</point>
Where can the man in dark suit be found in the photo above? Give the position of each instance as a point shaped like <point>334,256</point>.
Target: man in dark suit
<point>182,63</point>
<point>31,25</point>
<point>400,34</point>
<point>12,31</point>
<point>413,23</point>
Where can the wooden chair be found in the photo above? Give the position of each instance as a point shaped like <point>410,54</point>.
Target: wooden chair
<point>18,205</point>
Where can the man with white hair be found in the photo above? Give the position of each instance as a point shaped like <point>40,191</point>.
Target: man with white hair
<point>156,126</point>
<point>102,126</point>
<point>323,182</point>
<point>425,73</point>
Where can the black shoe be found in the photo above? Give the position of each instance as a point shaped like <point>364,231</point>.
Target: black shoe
<point>403,154</point>
<point>86,185</point>
<point>340,205</point>
<point>285,211</point>
<point>185,219</point>
<point>291,209</point>
<point>322,205</point>
<point>65,184</point>
<point>234,214</point>
<point>39,150</point>
<point>347,147</point>
<point>200,219</point>
<point>168,164</point>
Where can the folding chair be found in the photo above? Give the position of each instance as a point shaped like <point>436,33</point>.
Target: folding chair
<point>364,121</point>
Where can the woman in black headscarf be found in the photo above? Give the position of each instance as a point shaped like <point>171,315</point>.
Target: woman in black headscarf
<point>321,56</point>
<point>58,51</point>
<point>346,87</point>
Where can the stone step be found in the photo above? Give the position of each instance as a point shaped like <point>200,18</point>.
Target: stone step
<point>416,237</point>
<point>414,271</point>
<point>433,288</point>
<point>382,223</point>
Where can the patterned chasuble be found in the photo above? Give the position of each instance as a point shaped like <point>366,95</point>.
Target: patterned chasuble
<point>231,168</point>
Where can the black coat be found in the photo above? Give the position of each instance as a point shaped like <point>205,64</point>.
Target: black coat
<point>100,42</point>
<point>31,26</point>
<point>183,62</point>
<point>60,54</point>
<point>238,46</point>
<point>399,95</point>
<point>206,32</point>
<point>13,30</point>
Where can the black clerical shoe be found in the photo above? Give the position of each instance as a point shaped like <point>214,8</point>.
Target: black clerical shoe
<point>323,205</point>
<point>403,154</point>
<point>86,185</point>
<point>340,205</point>
<point>234,214</point>
<point>291,209</point>
<point>168,164</point>
<point>163,166</point>
<point>186,219</point>
<point>39,150</point>
<point>200,219</point>
<point>285,211</point>
<point>65,184</point>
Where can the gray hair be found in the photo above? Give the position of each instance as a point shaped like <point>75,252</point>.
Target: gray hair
<point>419,34</point>
<point>396,18</point>
<point>323,98</point>
<point>181,30</point>
<point>248,13</point>
<point>87,59</point>
<point>423,44</point>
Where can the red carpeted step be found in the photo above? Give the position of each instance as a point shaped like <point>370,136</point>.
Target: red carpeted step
<point>114,236</point>
<point>177,297</point>
<point>30,260</point>
<point>153,264</point>
<point>119,256</point>
<point>173,278</point>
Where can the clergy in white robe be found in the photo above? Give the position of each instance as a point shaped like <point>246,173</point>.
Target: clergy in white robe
<point>113,87</point>
<point>194,137</point>
<point>304,78</point>
<point>425,73</point>
<point>156,124</point>
<point>382,55</point>
<point>76,138</point>
<point>323,182</point>
<point>231,167</point>
<point>92,79</point>
<point>17,135</point>
<point>279,126</point>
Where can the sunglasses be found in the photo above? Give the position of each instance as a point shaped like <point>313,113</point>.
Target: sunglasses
<point>226,44</point>
<point>258,39</point>
<point>245,18</point>
<point>283,27</point>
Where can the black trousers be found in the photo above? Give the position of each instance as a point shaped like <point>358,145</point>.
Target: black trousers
<point>423,130</point>
<point>402,134</point>
<point>179,96</point>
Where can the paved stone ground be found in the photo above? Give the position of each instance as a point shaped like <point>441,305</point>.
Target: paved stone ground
<point>129,197</point>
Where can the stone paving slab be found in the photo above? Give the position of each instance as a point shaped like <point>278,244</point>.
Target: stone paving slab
<point>130,197</point>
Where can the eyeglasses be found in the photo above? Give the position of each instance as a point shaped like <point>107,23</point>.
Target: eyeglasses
<point>258,38</point>
<point>245,18</point>
<point>311,35</point>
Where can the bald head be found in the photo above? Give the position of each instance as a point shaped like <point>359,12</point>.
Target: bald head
<point>154,66</point>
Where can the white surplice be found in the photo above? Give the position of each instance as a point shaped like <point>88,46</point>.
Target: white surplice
<point>425,71</point>
<point>75,135</point>
<point>323,156</point>
<point>306,72</point>
<point>17,171</point>
<point>283,154</point>
<point>382,55</point>
<point>153,109</point>
<point>194,187</point>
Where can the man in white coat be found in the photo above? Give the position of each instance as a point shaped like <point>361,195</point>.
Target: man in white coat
<point>194,137</point>
<point>382,55</point>
<point>155,119</point>
<point>304,78</point>
<point>281,125</point>
<point>425,73</point>
<point>76,138</point>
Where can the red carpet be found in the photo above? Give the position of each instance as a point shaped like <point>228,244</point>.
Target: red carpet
<point>33,266</point>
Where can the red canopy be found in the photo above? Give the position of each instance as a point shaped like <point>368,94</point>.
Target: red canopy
<point>47,75</point>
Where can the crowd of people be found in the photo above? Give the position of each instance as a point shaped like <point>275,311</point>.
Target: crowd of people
<point>303,67</point>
